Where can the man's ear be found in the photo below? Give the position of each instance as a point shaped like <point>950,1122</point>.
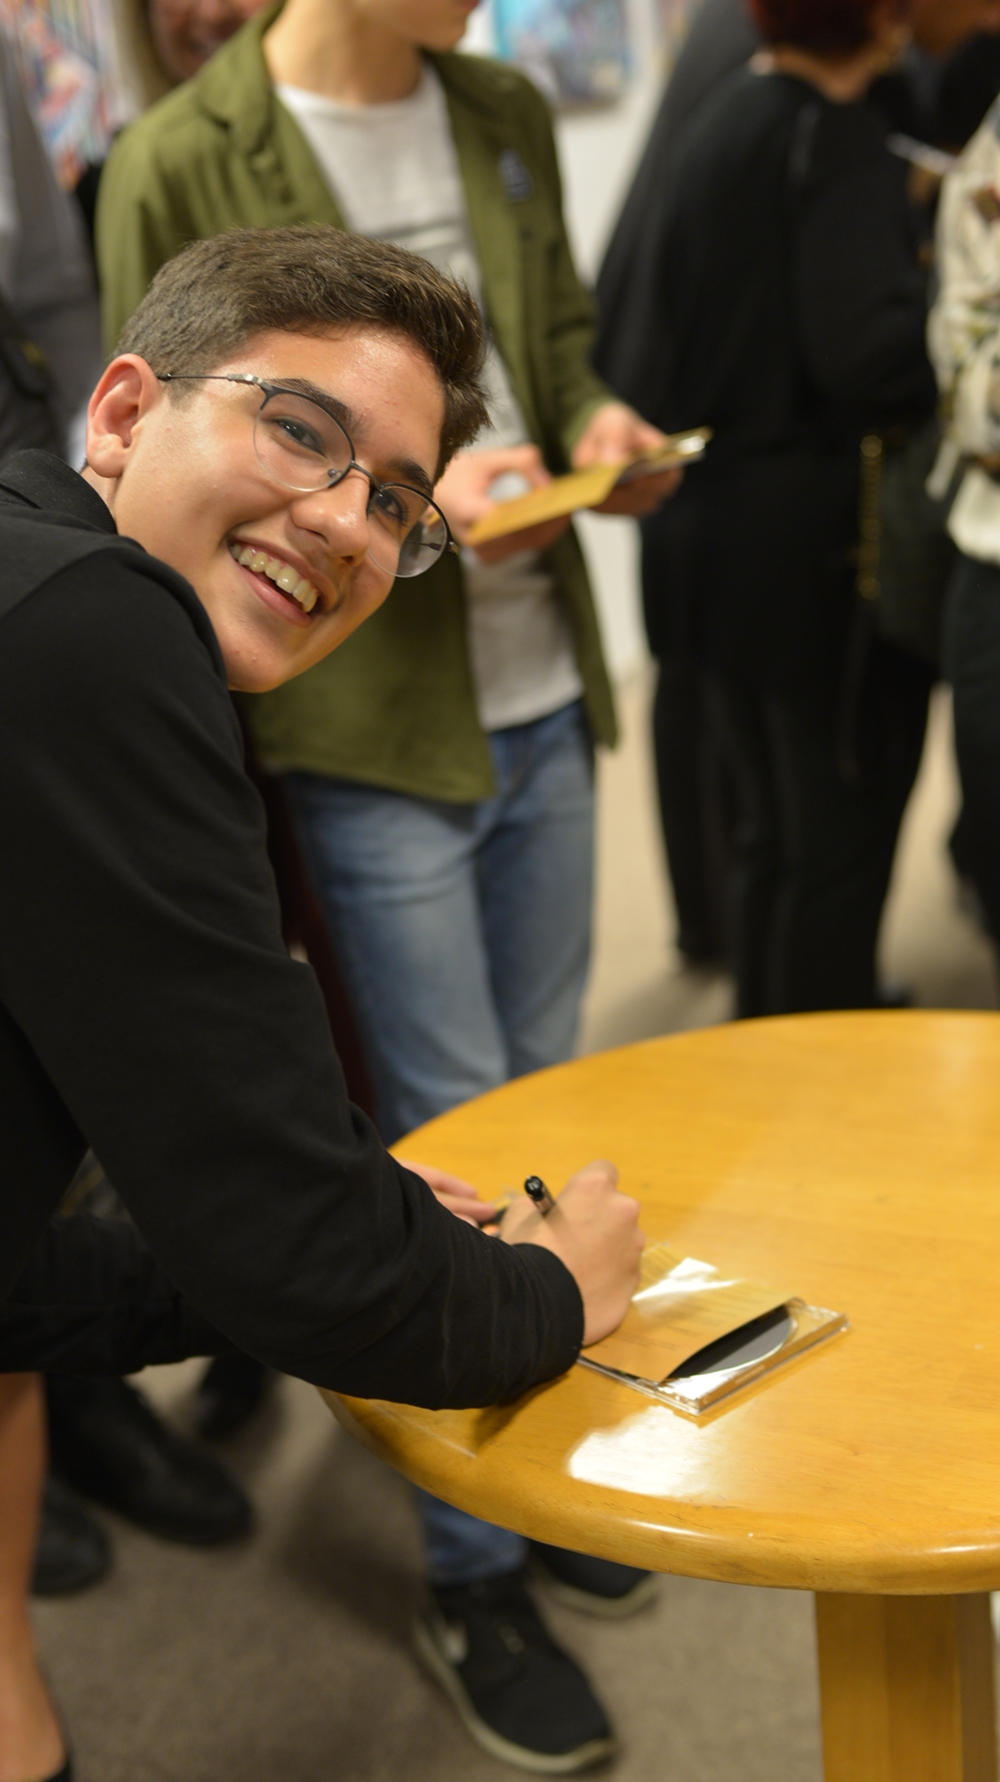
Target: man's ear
<point>124,396</point>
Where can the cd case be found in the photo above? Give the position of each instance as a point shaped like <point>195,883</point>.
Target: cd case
<point>586,488</point>
<point>693,1337</point>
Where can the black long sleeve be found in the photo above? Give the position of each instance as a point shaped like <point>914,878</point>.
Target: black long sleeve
<point>859,297</point>
<point>148,1006</point>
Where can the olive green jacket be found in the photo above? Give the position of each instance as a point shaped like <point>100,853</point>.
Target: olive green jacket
<point>395,705</point>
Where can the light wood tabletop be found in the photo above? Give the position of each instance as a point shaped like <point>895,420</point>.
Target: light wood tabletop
<point>854,1161</point>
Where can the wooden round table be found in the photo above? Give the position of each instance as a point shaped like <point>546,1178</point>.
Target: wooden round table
<point>854,1160</point>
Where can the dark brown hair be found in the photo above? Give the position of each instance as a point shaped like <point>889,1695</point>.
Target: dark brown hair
<point>215,295</point>
<point>827,27</point>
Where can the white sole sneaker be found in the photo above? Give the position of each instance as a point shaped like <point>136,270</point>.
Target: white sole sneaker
<point>430,1644</point>
<point>609,1608</point>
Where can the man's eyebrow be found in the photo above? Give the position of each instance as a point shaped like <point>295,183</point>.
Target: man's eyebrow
<point>405,470</point>
<point>333,405</point>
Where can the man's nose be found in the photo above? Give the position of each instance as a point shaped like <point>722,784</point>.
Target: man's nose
<point>339,514</point>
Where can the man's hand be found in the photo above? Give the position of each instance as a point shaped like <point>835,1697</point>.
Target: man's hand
<point>616,431</point>
<point>459,1197</point>
<point>464,494</point>
<point>594,1230</point>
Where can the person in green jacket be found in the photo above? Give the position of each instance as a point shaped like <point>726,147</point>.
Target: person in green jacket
<point>439,768</point>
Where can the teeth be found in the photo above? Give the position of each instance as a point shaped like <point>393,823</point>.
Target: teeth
<point>282,574</point>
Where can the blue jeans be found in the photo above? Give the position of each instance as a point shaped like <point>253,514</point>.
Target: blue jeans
<point>463,935</point>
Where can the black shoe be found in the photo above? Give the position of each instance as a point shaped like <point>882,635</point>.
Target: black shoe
<point>230,1390</point>
<point>520,1696</point>
<point>72,1550</point>
<point>107,1442</point>
<point>597,1586</point>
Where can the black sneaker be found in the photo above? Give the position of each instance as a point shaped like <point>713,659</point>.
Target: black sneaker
<point>520,1696</point>
<point>72,1550</point>
<point>597,1586</point>
<point>110,1445</point>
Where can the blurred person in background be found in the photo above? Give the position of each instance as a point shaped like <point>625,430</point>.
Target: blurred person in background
<point>965,342</point>
<point>89,66</point>
<point>781,267</point>
<point>938,93</point>
<point>441,774</point>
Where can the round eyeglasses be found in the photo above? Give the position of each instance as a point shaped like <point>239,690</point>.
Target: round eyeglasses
<point>303,446</point>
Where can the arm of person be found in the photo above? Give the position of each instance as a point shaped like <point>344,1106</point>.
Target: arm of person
<point>860,297</point>
<point>965,328</point>
<point>616,431</point>
<point>465,493</point>
<point>141,960</point>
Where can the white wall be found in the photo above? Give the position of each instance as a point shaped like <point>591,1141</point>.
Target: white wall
<point>598,150</point>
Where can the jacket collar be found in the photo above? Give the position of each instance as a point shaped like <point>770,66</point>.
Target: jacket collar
<point>235,88</point>
<point>41,480</point>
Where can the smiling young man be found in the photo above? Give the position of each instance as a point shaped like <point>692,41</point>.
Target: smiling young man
<point>440,769</point>
<point>258,459</point>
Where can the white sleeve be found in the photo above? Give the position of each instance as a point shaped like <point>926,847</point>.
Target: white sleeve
<point>964,333</point>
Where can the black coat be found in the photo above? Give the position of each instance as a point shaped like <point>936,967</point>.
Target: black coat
<point>776,297</point>
<point>149,1008</point>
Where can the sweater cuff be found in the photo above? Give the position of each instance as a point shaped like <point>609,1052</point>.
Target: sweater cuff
<point>560,1316</point>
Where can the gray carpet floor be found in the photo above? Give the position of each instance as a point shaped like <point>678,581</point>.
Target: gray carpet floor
<point>288,1657</point>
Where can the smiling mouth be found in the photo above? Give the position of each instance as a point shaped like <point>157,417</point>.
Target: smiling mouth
<point>296,586</point>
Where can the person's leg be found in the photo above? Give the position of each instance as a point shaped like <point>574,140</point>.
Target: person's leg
<point>839,834</point>
<point>396,879</point>
<point>461,1549</point>
<point>691,811</point>
<point>755,862</point>
<point>972,664</point>
<point>535,885</point>
<point>31,1743</point>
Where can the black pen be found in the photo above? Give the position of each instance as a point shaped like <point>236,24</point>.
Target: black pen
<point>535,1188</point>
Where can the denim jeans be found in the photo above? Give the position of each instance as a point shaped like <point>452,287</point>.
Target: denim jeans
<point>463,935</point>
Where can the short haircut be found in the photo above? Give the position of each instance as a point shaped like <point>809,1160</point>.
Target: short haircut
<point>827,27</point>
<point>215,295</point>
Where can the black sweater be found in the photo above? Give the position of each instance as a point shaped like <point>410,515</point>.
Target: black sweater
<point>777,297</point>
<point>149,1008</point>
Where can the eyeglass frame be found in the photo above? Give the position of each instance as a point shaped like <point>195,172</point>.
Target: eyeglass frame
<point>272,389</point>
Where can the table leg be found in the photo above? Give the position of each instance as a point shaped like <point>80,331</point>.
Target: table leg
<point>906,1688</point>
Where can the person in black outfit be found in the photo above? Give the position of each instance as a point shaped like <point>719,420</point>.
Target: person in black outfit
<point>224,530</point>
<point>791,314</point>
<point>938,94</point>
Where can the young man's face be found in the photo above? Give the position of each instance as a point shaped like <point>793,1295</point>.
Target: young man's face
<point>183,477</point>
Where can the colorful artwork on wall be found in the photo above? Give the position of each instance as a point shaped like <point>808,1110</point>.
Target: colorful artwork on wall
<point>576,51</point>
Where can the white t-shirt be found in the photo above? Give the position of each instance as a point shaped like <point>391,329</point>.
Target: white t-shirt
<point>395,174</point>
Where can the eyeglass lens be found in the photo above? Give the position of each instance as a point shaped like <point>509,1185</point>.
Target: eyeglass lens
<point>303,447</point>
